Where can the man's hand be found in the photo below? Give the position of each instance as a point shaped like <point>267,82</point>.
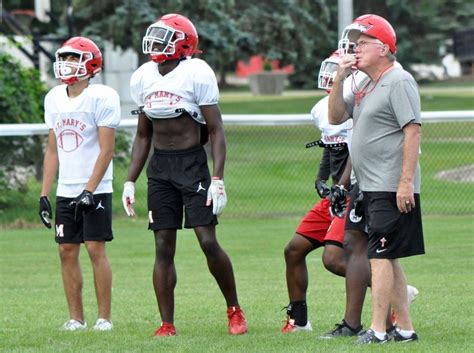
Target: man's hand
<point>322,189</point>
<point>405,197</point>
<point>338,200</point>
<point>128,198</point>
<point>83,203</point>
<point>216,195</point>
<point>345,66</point>
<point>45,211</point>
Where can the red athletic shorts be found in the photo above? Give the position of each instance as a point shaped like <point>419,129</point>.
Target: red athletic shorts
<point>319,225</point>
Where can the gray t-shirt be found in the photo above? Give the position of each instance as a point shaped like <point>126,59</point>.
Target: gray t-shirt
<point>377,141</point>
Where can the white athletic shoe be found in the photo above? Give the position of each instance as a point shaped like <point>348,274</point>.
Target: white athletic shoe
<point>74,325</point>
<point>412,293</point>
<point>103,325</point>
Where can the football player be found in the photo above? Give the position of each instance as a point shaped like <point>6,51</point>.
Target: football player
<point>177,96</point>
<point>323,225</point>
<point>82,118</point>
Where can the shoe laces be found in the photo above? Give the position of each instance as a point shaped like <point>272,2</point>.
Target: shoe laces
<point>165,329</point>
<point>236,317</point>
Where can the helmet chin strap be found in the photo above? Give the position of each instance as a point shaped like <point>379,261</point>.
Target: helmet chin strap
<point>72,80</point>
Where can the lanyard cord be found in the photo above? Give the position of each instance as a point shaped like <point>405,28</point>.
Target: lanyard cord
<point>361,93</point>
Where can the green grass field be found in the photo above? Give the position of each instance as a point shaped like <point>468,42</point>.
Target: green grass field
<point>33,306</point>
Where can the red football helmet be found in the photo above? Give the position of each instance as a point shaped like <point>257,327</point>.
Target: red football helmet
<point>327,72</point>
<point>89,61</point>
<point>370,25</point>
<point>173,36</point>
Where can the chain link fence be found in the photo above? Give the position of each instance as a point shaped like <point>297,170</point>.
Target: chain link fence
<point>269,173</point>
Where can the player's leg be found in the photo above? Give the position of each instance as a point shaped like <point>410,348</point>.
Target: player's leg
<point>297,282</point>
<point>97,232</point>
<point>72,279</point>
<point>69,236</point>
<point>220,266</point>
<point>102,277</point>
<point>164,273</point>
<point>333,257</point>
<point>309,235</point>
<point>357,276</point>
<point>218,262</point>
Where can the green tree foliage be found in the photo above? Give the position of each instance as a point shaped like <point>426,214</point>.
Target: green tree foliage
<point>21,101</point>
<point>422,26</point>
<point>298,32</point>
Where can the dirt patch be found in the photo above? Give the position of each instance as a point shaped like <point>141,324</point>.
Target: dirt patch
<point>462,174</point>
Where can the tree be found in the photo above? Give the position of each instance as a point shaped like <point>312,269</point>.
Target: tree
<point>21,101</point>
<point>298,32</point>
<point>422,26</point>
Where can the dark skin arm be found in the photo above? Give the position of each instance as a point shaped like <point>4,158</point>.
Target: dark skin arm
<point>141,147</point>
<point>213,118</point>
<point>346,175</point>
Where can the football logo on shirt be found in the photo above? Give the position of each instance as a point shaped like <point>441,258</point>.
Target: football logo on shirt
<point>69,140</point>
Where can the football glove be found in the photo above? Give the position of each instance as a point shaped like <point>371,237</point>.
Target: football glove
<point>45,211</point>
<point>338,201</point>
<point>322,189</point>
<point>216,196</point>
<point>82,203</point>
<point>128,198</point>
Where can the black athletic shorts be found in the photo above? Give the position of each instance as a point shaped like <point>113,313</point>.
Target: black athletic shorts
<point>354,220</point>
<point>177,179</point>
<point>392,234</point>
<point>95,225</point>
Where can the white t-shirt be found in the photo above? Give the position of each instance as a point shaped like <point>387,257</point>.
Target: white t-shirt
<point>190,85</point>
<point>330,134</point>
<point>75,123</point>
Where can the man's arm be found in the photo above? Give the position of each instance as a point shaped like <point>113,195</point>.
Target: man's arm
<point>346,174</point>
<point>50,164</point>
<point>213,118</point>
<point>337,110</point>
<point>141,147</point>
<point>107,147</point>
<point>411,147</point>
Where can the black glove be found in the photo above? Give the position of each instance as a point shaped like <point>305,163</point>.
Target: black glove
<point>45,211</point>
<point>83,203</point>
<point>338,200</point>
<point>322,189</point>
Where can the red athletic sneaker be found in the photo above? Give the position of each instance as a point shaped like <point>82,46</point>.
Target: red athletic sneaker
<point>237,323</point>
<point>166,329</point>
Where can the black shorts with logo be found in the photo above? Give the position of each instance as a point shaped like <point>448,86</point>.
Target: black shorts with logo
<point>177,179</point>
<point>355,220</point>
<point>392,234</point>
<point>95,225</point>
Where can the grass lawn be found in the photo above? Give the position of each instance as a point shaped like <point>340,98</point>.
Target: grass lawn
<point>33,306</point>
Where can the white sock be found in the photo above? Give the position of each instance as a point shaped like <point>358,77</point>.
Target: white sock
<point>406,333</point>
<point>380,335</point>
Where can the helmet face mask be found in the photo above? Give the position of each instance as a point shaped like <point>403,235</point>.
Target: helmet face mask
<point>327,72</point>
<point>161,40</point>
<point>172,37</point>
<point>86,61</point>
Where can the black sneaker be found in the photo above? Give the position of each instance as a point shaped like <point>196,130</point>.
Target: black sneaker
<point>391,332</point>
<point>369,337</point>
<point>342,330</point>
<point>397,337</point>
